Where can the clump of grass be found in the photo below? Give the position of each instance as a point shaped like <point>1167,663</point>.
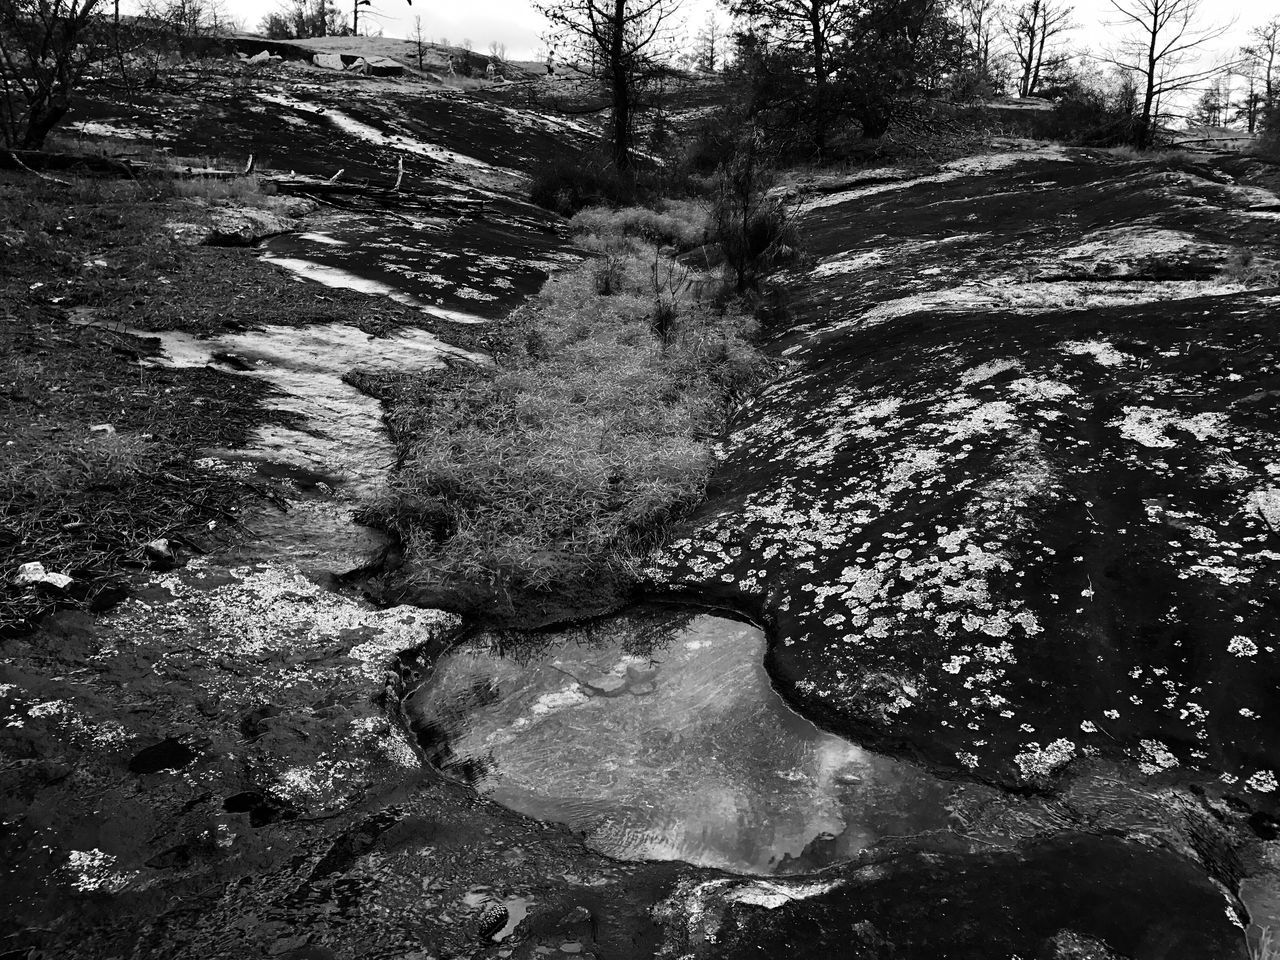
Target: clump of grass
<point>560,468</point>
<point>1127,152</point>
<point>60,467</point>
<point>242,189</point>
<point>1248,269</point>
<point>681,224</point>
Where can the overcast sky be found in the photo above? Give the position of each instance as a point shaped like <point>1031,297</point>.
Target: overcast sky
<point>516,24</point>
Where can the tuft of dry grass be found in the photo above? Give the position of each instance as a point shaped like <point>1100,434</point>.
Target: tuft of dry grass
<point>1157,155</point>
<point>1252,271</point>
<point>568,461</point>
<point>243,190</point>
<point>681,224</point>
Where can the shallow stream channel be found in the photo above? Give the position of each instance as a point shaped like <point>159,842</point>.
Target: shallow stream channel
<point>655,734</point>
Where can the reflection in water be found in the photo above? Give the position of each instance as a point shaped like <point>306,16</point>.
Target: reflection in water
<point>675,750</point>
<point>1261,897</point>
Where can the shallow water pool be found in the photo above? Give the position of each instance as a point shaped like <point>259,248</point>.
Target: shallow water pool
<point>663,739</point>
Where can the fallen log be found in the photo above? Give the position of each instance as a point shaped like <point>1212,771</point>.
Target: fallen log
<point>41,161</point>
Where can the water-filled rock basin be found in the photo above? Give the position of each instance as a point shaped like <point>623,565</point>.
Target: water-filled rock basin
<point>663,739</point>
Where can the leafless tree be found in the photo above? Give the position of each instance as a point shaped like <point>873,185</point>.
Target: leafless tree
<point>1162,48</point>
<point>626,38</point>
<point>355,13</point>
<point>45,47</point>
<point>185,18</point>
<point>419,40</point>
<point>498,51</point>
<point>1035,29</point>
<point>980,25</point>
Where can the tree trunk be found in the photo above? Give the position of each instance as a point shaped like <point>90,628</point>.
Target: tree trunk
<point>819,78</point>
<point>1039,57</point>
<point>42,118</point>
<point>1149,95</point>
<point>621,88</point>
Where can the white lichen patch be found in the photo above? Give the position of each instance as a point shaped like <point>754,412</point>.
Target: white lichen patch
<point>323,781</point>
<point>1264,504</point>
<point>1151,426</point>
<point>1242,647</point>
<point>92,871</point>
<point>1100,350</point>
<point>1037,763</point>
<point>1264,781</point>
<point>1155,757</point>
<point>294,631</point>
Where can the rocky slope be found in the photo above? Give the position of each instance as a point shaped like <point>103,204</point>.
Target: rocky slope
<point>1013,503</point>
<point>1010,509</point>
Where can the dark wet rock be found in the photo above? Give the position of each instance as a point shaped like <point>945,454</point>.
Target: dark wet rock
<point>1003,524</point>
<point>257,722</point>
<point>315,836</point>
<point>1264,825</point>
<point>262,809</point>
<point>1073,896</point>
<point>168,754</point>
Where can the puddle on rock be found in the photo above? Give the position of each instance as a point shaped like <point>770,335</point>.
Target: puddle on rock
<point>1261,897</point>
<point>665,744</point>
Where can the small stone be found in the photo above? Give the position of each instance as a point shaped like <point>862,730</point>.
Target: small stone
<point>32,573</point>
<point>102,428</point>
<point>160,553</point>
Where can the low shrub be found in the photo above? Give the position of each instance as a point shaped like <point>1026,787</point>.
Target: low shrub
<point>567,186</point>
<point>1084,117</point>
<point>755,239</point>
<point>1267,145</point>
